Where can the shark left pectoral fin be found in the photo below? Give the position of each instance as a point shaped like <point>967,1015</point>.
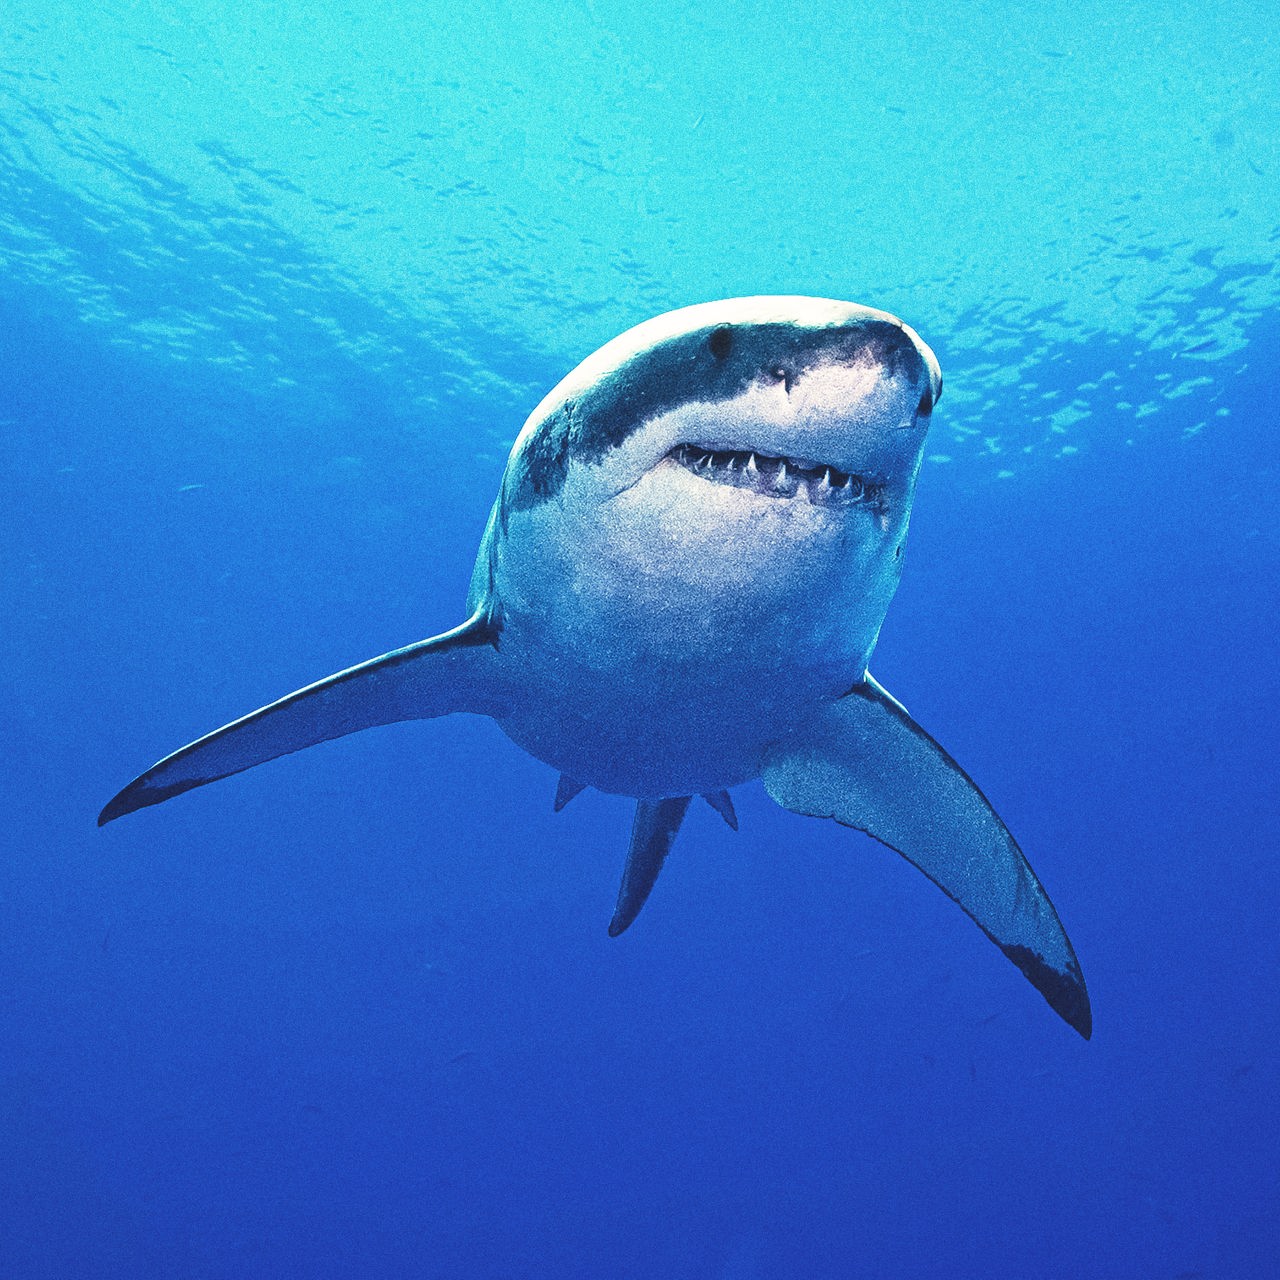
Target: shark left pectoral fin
<point>449,672</point>
<point>864,762</point>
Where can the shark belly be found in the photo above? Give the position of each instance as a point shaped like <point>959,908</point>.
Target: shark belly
<point>652,665</point>
<point>678,733</point>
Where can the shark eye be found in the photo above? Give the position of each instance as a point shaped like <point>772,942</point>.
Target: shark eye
<point>925,407</point>
<point>721,342</point>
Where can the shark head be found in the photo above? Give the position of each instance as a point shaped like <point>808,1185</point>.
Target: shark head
<point>786,399</point>
<point>731,477</point>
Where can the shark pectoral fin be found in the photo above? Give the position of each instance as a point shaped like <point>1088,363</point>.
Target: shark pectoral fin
<point>652,834</point>
<point>449,672</point>
<point>868,765</point>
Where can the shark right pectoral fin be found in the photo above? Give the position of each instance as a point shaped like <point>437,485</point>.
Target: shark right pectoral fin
<point>449,672</point>
<point>867,764</point>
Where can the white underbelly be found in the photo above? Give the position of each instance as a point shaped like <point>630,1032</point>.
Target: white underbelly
<point>648,716</point>
<point>657,649</point>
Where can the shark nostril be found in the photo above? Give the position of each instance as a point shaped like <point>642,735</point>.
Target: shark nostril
<point>780,374</point>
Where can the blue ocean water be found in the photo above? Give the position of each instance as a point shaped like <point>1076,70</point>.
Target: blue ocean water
<point>277,291</point>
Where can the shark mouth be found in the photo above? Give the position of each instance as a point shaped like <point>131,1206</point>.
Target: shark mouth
<point>773,477</point>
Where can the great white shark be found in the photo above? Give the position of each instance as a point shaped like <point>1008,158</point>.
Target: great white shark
<point>680,586</point>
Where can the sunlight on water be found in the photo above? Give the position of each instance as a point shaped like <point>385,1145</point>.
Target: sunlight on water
<point>209,187</point>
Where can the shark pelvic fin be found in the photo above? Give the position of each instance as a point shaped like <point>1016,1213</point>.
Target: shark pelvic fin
<point>566,789</point>
<point>864,762</point>
<point>449,672</point>
<point>652,834</point>
<point>723,805</point>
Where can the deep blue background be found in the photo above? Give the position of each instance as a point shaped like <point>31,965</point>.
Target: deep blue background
<point>356,1014</point>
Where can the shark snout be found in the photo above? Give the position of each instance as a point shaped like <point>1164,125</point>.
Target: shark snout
<point>881,366</point>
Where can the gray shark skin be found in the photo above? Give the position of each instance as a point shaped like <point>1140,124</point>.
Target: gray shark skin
<point>696,539</point>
